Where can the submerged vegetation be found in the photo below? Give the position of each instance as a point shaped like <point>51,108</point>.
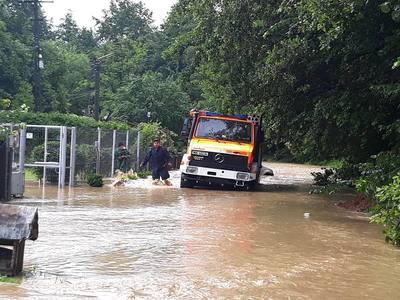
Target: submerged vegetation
<point>8,279</point>
<point>95,180</point>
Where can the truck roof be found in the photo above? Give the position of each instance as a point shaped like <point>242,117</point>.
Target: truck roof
<point>250,118</point>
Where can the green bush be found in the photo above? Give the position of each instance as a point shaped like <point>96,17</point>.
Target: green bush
<point>387,210</point>
<point>95,180</point>
<point>58,119</point>
<point>377,173</point>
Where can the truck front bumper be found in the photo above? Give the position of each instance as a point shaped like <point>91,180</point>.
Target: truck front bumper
<point>208,176</point>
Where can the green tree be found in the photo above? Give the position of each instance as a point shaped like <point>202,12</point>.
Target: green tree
<point>163,98</point>
<point>66,85</point>
<point>68,31</point>
<point>15,56</point>
<point>124,18</point>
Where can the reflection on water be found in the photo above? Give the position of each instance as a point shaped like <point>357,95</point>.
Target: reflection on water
<point>157,243</point>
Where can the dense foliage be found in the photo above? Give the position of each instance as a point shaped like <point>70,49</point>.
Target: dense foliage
<point>387,210</point>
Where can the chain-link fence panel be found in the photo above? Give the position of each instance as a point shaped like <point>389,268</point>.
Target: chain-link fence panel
<point>86,152</point>
<point>106,152</point>
<point>133,149</point>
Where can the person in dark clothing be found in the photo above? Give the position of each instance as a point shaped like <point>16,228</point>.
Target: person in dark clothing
<point>159,159</point>
<point>122,155</point>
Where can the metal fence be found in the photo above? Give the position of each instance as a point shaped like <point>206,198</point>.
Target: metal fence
<point>95,150</point>
<point>59,154</point>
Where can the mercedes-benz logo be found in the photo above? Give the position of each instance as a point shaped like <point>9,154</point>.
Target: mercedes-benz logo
<point>219,158</point>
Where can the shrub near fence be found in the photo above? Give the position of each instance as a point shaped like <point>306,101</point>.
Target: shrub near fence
<point>57,119</point>
<point>387,210</point>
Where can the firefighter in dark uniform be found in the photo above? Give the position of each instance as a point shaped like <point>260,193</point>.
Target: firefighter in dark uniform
<point>159,159</point>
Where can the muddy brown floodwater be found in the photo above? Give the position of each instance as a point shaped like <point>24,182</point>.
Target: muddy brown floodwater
<point>144,242</point>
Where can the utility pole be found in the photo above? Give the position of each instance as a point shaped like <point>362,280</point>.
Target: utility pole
<point>97,69</point>
<point>36,74</point>
<point>37,55</point>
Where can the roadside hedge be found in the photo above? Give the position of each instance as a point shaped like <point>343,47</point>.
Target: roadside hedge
<point>58,119</point>
<point>387,210</point>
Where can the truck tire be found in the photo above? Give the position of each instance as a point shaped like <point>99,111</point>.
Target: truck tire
<point>186,184</point>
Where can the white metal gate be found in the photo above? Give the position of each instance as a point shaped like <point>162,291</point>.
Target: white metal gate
<point>61,164</point>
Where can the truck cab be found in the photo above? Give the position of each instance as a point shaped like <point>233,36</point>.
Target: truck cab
<point>222,150</point>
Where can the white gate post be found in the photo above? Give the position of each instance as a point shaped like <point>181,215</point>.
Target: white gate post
<point>22,148</point>
<point>63,156</point>
<point>138,151</point>
<point>72,158</point>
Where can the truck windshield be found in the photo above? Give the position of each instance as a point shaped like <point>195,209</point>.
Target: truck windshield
<point>220,129</point>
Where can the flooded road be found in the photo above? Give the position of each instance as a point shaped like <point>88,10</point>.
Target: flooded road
<point>146,242</point>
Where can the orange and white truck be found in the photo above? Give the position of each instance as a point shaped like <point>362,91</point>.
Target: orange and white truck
<point>222,150</point>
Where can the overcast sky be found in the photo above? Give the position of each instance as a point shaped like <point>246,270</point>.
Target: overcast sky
<point>84,10</point>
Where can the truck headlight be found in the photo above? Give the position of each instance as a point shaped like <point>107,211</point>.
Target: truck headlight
<point>242,176</point>
<point>191,170</point>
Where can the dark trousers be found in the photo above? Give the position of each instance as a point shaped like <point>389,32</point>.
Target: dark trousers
<point>160,172</point>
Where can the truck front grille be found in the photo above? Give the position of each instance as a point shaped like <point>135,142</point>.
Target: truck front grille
<point>220,161</point>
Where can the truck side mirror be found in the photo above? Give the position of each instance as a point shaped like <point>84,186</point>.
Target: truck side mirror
<point>186,127</point>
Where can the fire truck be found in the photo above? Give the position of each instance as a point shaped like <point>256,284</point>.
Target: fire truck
<point>222,150</point>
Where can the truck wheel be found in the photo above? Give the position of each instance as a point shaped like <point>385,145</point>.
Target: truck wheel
<point>186,184</point>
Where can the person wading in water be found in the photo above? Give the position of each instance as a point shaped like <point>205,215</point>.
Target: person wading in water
<point>159,159</point>
<point>122,155</point>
